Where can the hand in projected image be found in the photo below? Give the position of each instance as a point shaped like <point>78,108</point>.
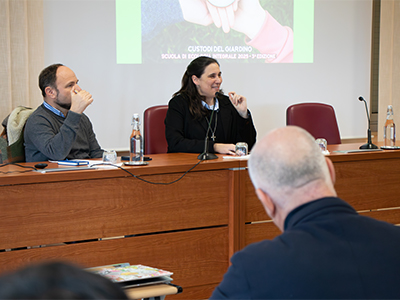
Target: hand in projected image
<point>203,13</point>
<point>264,33</point>
<point>196,11</point>
<point>249,17</point>
<point>223,16</point>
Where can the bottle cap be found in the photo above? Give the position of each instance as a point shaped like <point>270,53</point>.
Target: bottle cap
<point>135,118</point>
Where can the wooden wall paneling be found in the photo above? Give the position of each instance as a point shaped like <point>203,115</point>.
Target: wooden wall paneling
<point>389,62</point>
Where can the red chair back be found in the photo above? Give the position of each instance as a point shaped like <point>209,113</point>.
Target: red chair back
<point>317,118</point>
<point>154,130</point>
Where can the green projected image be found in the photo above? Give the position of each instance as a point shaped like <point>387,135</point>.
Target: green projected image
<point>250,31</point>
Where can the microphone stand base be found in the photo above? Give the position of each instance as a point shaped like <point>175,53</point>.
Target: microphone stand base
<point>369,146</point>
<point>207,156</point>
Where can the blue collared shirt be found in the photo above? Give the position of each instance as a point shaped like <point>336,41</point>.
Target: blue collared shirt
<point>212,107</point>
<point>52,109</point>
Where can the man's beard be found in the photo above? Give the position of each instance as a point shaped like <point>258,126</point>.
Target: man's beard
<point>63,105</point>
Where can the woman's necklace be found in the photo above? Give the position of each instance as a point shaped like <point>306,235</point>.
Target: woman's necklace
<point>213,137</point>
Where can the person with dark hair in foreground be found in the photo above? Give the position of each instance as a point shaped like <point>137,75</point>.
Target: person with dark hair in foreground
<point>57,280</point>
<point>326,249</point>
<point>189,113</point>
<point>58,129</point>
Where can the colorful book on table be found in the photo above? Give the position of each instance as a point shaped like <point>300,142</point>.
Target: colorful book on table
<point>130,275</point>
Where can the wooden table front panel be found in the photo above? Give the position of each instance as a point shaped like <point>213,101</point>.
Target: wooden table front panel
<point>256,232</point>
<point>198,258</point>
<point>369,184</point>
<point>254,211</point>
<point>54,212</point>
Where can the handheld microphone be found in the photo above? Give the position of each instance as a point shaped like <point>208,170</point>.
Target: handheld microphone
<point>206,155</point>
<point>369,144</point>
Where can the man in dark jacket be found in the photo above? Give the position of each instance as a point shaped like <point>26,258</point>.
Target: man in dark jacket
<point>326,250</point>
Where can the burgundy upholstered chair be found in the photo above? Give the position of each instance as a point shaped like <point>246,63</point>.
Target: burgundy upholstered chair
<point>317,118</point>
<point>154,130</point>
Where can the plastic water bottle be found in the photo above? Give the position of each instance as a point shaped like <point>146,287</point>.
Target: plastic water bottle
<point>136,146</point>
<point>389,133</point>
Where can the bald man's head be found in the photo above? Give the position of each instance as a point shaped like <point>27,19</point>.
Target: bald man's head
<point>286,159</point>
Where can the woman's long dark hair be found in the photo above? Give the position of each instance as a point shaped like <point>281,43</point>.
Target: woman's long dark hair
<point>189,89</point>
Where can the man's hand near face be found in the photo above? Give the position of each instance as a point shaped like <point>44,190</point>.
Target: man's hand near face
<point>80,100</point>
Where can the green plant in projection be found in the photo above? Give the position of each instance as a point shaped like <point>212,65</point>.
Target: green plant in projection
<point>175,39</point>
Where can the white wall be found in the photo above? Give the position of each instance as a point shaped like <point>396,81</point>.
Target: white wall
<point>81,35</point>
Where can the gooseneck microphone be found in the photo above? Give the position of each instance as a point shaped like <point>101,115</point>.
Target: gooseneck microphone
<point>369,144</point>
<point>206,155</point>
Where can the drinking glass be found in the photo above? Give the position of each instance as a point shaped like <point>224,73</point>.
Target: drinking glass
<point>322,143</point>
<point>109,156</point>
<point>241,149</point>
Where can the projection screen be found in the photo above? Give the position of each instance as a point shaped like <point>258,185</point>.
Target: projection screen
<point>131,54</point>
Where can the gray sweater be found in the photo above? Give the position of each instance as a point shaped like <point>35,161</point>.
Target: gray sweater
<point>51,137</point>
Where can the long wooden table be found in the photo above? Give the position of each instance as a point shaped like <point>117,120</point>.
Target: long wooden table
<point>184,227</point>
<point>191,227</point>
